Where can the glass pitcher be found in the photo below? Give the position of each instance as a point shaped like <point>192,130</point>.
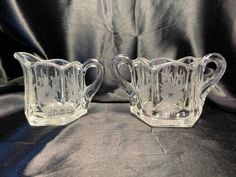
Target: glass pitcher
<point>55,90</point>
<point>169,93</point>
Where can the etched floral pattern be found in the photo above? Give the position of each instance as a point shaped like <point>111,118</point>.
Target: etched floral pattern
<point>147,104</point>
<point>47,88</point>
<point>72,87</point>
<point>172,87</point>
<point>172,92</point>
<point>54,94</point>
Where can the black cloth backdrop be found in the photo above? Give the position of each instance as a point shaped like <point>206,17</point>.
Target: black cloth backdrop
<point>78,30</point>
<point>109,141</point>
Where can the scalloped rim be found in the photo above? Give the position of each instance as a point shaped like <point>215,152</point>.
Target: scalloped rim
<point>168,62</point>
<point>60,67</point>
<point>51,62</point>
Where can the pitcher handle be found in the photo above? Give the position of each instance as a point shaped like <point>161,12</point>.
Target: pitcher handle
<point>94,86</point>
<point>117,62</point>
<point>213,78</point>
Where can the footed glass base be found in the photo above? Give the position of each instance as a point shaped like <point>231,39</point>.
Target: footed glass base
<point>163,121</point>
<point>40,119</point>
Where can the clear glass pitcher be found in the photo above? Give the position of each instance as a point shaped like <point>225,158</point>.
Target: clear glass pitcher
<point>55,90</point>
<point>169,93</point>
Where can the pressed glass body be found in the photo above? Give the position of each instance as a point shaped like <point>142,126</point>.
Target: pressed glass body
<point>169,93</point>
<point>55,90</point>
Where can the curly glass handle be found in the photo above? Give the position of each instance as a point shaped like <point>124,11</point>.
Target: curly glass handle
<point>117,62</point>
<point>211,79</point>
<point>94,86</point>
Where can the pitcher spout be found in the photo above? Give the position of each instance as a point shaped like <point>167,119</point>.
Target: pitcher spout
<point>26,59</point>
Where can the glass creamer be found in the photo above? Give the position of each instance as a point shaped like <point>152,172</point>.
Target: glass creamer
<point>169,93</point>
<point>55,90</point>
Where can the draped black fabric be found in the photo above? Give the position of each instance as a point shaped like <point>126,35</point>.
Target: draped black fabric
<point>108,141</point>
<point>78,30</point>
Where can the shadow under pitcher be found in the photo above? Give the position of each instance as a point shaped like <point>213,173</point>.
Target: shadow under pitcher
<point>55,90</point>
<point>169,93</point>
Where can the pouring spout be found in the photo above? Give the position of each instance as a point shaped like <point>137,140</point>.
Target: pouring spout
<point>26,59</point>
